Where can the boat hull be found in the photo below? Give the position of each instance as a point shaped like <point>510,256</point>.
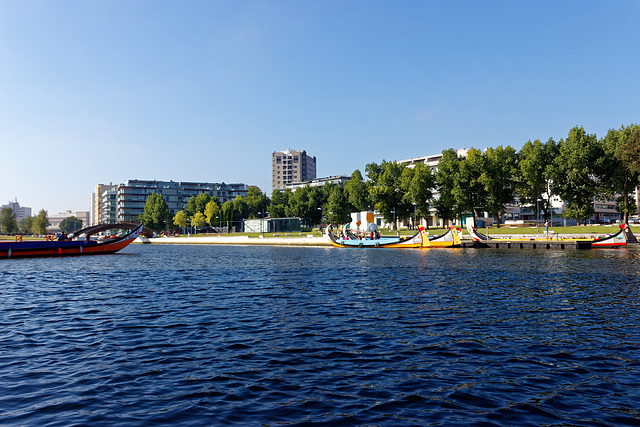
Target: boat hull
<point>67,248</point>
<point>451,238</point>
<point>610,241</point>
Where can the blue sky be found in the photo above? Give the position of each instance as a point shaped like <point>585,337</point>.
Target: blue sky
<point>104,91</point>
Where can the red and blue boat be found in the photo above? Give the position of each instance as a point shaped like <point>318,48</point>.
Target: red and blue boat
<point>75,244</point>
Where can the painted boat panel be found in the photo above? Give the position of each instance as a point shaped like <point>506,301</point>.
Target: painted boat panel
<point>610,241</point>
<point>451,238</point>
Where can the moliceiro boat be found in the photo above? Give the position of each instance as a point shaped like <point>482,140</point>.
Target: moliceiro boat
<point>451,238</point>
<point>74,244</point>
<point>613,240</point>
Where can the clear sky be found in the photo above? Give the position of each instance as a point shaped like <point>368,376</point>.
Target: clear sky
<point>205,90</point>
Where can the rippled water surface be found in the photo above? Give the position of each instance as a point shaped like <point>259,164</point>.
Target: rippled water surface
<point>210,335</point>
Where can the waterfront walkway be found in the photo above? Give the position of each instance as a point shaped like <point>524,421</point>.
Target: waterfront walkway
<point>304,240</point>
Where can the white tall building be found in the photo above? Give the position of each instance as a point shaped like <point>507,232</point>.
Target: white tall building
<point>98,215</point>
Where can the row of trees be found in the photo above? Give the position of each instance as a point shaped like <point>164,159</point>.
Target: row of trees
<point>577,169</point>
<point>30,225</point>
<point>202,210</point>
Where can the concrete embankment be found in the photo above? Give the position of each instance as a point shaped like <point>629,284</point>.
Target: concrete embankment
<point>238,240</point>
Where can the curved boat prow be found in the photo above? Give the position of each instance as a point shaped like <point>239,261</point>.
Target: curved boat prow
<point>629,236</point>
<point>613,240</point>
<point>475,234</point>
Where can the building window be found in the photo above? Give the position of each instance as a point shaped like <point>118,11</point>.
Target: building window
<point>278,160</point>
<point>295,159</point>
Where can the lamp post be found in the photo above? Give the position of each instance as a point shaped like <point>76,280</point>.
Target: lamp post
<point>394,218</point>
<point>321,209</point>
<point>331,212</point>
<point>415,205</point>
<point>262,224</point>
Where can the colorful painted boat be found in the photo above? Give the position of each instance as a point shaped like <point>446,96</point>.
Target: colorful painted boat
<point>73,246</point>
<point>451,238</point>
<point>613,240</point>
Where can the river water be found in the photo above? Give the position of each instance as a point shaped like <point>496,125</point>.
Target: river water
<point>278,336</point>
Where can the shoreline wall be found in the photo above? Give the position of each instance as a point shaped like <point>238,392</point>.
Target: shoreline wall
<point>237,240</point>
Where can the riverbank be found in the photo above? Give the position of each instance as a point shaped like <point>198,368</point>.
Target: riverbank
<point>308,240</point>
<point>318,240</point>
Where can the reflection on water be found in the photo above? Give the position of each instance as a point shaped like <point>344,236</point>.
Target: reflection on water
<point>276,336</point>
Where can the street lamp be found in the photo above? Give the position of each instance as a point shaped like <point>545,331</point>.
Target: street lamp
<point>321,209</point>
<point>414,214</point>
<point>262,223</point>
<point>394,219</point>
<point>331,212</point>
<point>538,215</point>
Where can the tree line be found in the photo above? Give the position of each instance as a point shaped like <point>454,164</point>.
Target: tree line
<point>30,225</point>
<point>577,168</point>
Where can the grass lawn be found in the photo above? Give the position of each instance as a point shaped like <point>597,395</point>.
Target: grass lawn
<point>600,230</point>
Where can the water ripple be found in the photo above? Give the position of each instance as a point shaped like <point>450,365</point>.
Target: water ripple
<point>310,336</point>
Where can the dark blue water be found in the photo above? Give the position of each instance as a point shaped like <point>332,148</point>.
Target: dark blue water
<point>210,335</point>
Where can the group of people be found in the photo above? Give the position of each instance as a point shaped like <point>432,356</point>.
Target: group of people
<point>360,235</point>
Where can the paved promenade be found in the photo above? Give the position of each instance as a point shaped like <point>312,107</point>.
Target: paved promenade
<point>306,240</point>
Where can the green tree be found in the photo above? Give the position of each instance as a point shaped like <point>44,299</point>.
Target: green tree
<point>469,191</point>
<point>180,219</point>
<point>578,166</point>
<point>40,223</point>
<point>70,224</point>
<point>298,205</point>
<point>619,177</point>
<point>8,220</point>
<point>198,220</point>
<point>357,191</point>
<point>196,204</point>
<point>418,184</point>
<point>448,169</point>
<point>257,202</point>
<point>388,194</point>
<point>227,210</point>
<point>211,211</point>
<point>536,169</point>
<point>373,172</point>
<point>190,209</point>
<point>26,225</point>
<point>498,178</point>
<point>240,208</point>
<point>201,202</point>
<point>156,214</point>
<point>338,203</point>
<point>279,203</point>
<point>629,150</point>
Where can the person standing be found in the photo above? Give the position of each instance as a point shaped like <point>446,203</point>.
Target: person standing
<point>546,228</point>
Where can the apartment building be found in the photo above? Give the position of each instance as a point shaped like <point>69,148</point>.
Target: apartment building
<point>291,166</point>
<point>99,213</point>
<point>319,182</point>
<point>132,195</point>
<point>21,212</point>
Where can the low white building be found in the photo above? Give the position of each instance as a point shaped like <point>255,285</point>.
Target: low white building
<point>55,220</point>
